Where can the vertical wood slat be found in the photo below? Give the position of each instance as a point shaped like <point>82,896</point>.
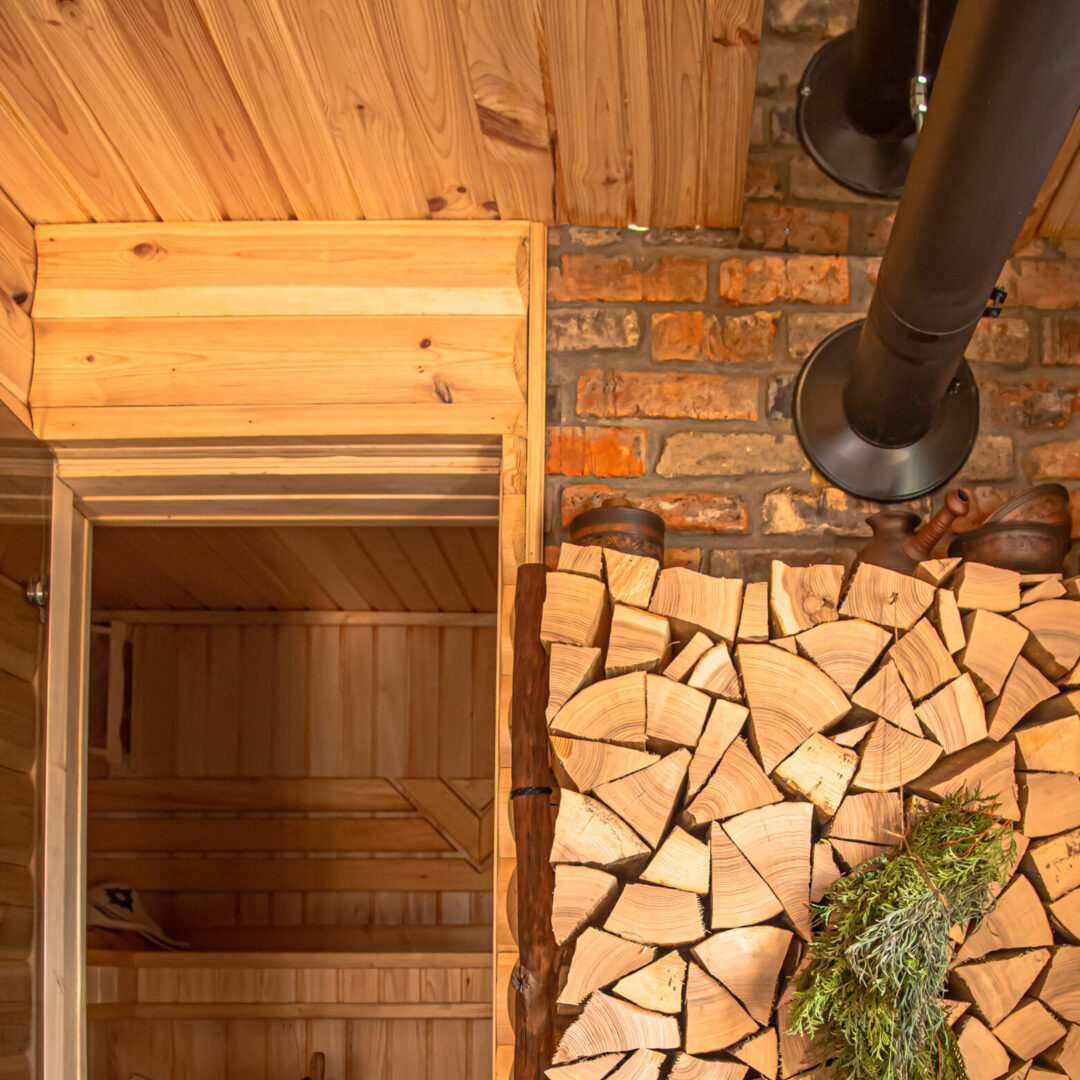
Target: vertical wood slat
<point>18,260</point>
<point>1062,217</point>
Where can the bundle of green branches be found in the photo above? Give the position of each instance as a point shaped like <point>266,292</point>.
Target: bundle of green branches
<point>872,993</point>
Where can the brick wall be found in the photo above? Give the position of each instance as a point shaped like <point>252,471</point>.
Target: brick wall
<point>671,353</point>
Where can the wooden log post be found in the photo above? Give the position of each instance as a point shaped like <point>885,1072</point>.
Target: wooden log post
<point>537,973</point>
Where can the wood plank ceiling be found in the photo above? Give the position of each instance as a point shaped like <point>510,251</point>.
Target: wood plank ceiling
<point>598,112</point>
<point>295,568</point>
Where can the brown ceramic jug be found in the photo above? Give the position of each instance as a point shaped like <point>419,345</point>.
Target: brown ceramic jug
<point>897,546</point>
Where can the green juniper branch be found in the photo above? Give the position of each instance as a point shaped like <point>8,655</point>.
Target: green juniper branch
<point>872,991</point>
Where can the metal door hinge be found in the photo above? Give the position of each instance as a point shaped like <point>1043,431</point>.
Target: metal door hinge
<point>37,593</point>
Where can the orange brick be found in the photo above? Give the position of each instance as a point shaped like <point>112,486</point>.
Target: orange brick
<point>812,279</point>
<point>621,394</point>
<point>778,227</point>
<point>595,451</point>
<point>1043,283</point>
<point>596,277</point>
<point>691,511</point>
<point>676,279</point>
<point>1057,460</point>
<point>678,335</point>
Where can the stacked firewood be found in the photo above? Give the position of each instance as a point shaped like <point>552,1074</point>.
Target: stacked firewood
<point>727,751</point>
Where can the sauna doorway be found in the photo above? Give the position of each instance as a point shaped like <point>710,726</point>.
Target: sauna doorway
<point>291,763</point>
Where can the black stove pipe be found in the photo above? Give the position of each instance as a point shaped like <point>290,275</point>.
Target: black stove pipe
<point>1007,89</point>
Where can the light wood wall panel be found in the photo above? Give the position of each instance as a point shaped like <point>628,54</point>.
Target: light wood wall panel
<point>16,289</point>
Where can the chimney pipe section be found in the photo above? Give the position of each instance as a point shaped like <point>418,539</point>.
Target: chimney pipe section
<point>888,409</point>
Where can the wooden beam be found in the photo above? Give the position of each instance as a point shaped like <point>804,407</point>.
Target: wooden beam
<point>297,618</point>
<point>293,1010</point>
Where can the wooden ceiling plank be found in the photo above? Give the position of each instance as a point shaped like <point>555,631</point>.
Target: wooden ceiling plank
<point>424,58</point>
<point>39,91</point>
<point>16,352</point>
<point>503,53</point>
<point>487,540</point>
<point>395,566</point>
<point>263,62</point>
<point>267,548</point>
<point>592,156</point>
<point>663,44</point>
<point>339,50</point>
<point>152,586</point>
<point>1066,156</point>
<point>279,268</point>
<point>432,566</point>
<point>227,544</point>
<point>1062,217</point>
<point>467,563</point>
<point>18,261</point>
<point>309,545</point>
<point>304,359</point>
<point>734,32</point>
<point>343,550</point>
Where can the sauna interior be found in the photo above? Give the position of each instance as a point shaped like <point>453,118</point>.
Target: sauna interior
<point>291,762</point>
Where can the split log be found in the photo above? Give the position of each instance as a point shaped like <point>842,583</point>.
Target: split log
<point>590,1069</point>
<point>607,1025</point>
<point>579,559</point>
<point>580,894</point>
<point>788,644</point>
<point>984,1057</point>
<point>1029,1029</point>
<point>995,986</point>
<point>725,721</point>
<point>885,695</point>
<point>1058,987</point>
<point>873,818</point>
<point>776,841</point>
<point>852,736</point>
<point>600,958</point>
<point>575,609</point>
<point>989,588</point>
<point>819,770</point>
<point>646,799</point>
<point>1065,915</point>
<point>993,644</point>
<point>891,757</point>
<point>956,1010</point>
<point>739,895</point>
<point>1053,746</point>
<point>714,1020</point>
<point>676,713</point>
<point>803,596</point>
<point>587,764</point>
<point>708,603</point>
<point>1065,703</point>
<point>823,872</point>
<point>657,986</point>
<point>789,700</point>
<point>760,1052</point>
<point>949,623</point>
<point>586,831</point>
<point>886,597</point>
<point>571,668</point>
<point>1065,1055</point>
<point>681,862</point>
<point>738,784</point>
<point>638,641</point>
<point>954,716</point>
<point>612,710</point>
<point>655,915</point>
<point>688,1067</point>
<point>1054,644</point>
<point>1022,1071</point>
<point>1025,688</point>
<point>844,650</point>
<point>797,1052</point>
<point>1018,921</point>
<point>986,765</point>
<point>922,660</point>
<point>853,853</point>
<point>1054,865</point>
<point>640,1065</point>
<point>716,674</point>
<point>1049,589</point>
<point>754,621</point>
<point>1049,803</point>
<point>679,669</point>
<point>630,578</point>
<point>936,571</point>
<point>747,962</point>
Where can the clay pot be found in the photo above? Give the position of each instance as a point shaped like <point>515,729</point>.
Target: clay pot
<point>897,546</point>
<point>616,524</point>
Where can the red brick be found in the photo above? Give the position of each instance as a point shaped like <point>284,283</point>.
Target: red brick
<point>742,338</point>
<point>1043,283</point>
<point>691,511</point>
<point>678,335</point>
<point>812,18</point>
<point>595,451</point>
<point>812,279</point>
<point>688,558</point>
<point>1056,461</point>
<point>595,277</point>
<point>1000,341</point>
<point>762,177</point>
<point>778,227</point>
<point>806,331</point>
<point>873,268</point>
<point>818,513</point>
<point>807,181</point>
<point>1061,339</point>
<point>1039,403</point>
<point>610,394</point>
<point>754,565</point>
<point>991,458</point>
<point>878,229</point>
<point>676,279</point>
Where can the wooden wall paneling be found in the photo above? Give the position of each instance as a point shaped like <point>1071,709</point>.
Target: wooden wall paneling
<point>1064,158</point>
<point>424,58</point>
<point>391,701</point>
<point>19,632</point>
<point>392,567</point>
<point>221,734</point>
<point>18,722</point>
<point>433,567</point>
<point>326,736</point>
<point>290,751</point>
<point>663,43</point>
<point>591,152</point>
<point>264,63</point>
<point>456,699</point>
<point>358,679</point>
<point>16,356</point>
<point>463,555</point>
<point>189,653</point>
<point>17,811</point>
<point>502,49</point>
<point>257,701</point>
<point>38,92</point>
<point>18,259</point>
<point>333,555</point>
<point>733,29</point>
<point>1062,217</point>
<point>425,713</point>
<point>63,865</point>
